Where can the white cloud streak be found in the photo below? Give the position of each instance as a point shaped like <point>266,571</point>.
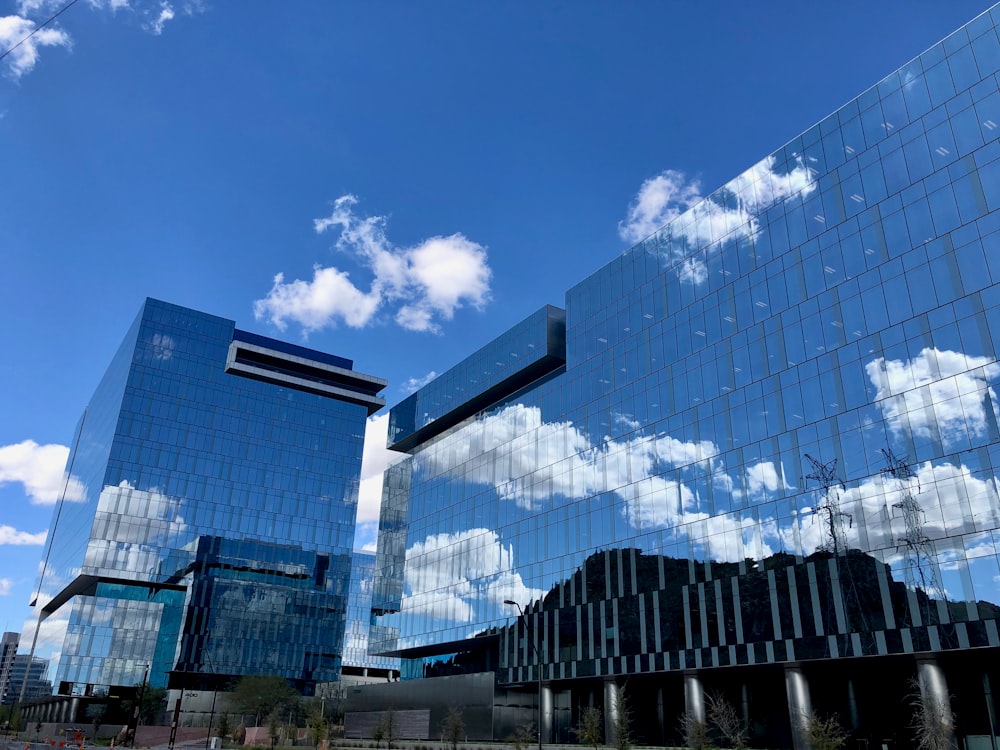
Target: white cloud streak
<point>415,384</point>
<point>166,14</point>
<point>10,535</point>
<point>423,285</point>
<point>5,586</point>
<point>660,200</point>
<point>40,468</point>
<point>14,30</point>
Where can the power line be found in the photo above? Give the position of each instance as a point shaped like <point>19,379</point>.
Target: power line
<point>41,26</point>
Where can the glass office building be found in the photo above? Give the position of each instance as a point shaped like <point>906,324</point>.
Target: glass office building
<point>358,665</point>
<point>206,526</point>
<point>756,456</point>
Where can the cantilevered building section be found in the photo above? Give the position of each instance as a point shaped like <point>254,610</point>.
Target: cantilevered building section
<point>208,517</point>
<point>763,466</point>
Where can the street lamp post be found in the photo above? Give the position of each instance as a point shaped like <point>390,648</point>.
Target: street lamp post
<point>538,658</point>
<point>215,693</point>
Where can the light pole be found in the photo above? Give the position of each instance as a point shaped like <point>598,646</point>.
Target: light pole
<point>215,693</point>
<point>538,658</point>
<point>137,712</point>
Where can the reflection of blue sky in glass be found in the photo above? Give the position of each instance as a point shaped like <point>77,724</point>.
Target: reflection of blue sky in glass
<point>834,301</point>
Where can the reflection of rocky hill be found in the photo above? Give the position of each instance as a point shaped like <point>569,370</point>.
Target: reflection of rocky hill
<point>625,603</point>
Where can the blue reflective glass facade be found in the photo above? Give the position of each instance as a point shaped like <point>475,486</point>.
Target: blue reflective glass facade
<point>208,517</point>
<point>774,442</point>
<point>357,661</point>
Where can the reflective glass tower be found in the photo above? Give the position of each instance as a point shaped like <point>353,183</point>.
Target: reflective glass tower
<point>206,525</point>
<point>756,456</point>
<point>358,665</point>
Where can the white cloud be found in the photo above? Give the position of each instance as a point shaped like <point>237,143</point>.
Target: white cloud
<point>446,575</point>
<point>672,198</point>
<point>660,200</point>
<point>10,535</point>
<point>763,477</point>
<point>415,384</point>
<point>5,586</point>
<point>14,30</point>
<point>166,14</point>
<point>30,13</point>
<point>937,394</point>
<point>425,283</point>
<point>375,459</point>
<point>40,468</point>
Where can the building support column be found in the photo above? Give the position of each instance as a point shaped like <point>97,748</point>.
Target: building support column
<point>799,705</point>
<point>694,698</point>
<point>545,714</point>
<point>612,697</point>
<point>660,723</point>
<point>935,703</point>
<point>852,706</point>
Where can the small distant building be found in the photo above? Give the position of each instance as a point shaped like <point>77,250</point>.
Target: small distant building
<point>37,684</point>
<point>8,650</point>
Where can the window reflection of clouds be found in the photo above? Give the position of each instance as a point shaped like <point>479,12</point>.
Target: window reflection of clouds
<point>131,528</point>
<point>732,212</point>
<point>941,394</point>
<point>448,574</point>
<point>656,477</point>
<point>530,460</point>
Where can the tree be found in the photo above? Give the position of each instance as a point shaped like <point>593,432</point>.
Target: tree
<point>11,718</point>
<point>151,705</point>
<point>453,727</point>
<point>588,728</point>
<point>274,727</point>
<point>96,712</point>
<point>727,722</point>
<point>695,732</point>
<point>388,727</point>
<point>262,695</point>
<point>623,721</point>
<point>523,736</point>
<point>225,727</point>
<point>825,733</point>
<point>932,720</point>
<point>332,697</point>
<point>316,723</point>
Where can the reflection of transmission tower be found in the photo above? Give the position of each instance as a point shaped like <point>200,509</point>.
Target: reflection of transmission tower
<point>917,547</point>
<point>826,475</point>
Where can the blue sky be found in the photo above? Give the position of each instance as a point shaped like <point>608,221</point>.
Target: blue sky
<point>421,175</point>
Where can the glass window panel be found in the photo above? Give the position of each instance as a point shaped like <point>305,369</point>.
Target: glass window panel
<point>963,68</point>
<point>939,84</point>
<point>944,210</point>
<point>987,52</point>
